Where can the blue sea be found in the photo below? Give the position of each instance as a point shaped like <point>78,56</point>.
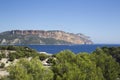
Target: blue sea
<point>52,49</point>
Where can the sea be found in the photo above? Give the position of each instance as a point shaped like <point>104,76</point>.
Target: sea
<point>53,49</point>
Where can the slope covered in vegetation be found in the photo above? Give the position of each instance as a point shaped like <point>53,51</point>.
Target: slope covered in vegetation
<point>102,64</point>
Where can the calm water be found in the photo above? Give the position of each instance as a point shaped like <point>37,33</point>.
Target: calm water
<point>74,48</point>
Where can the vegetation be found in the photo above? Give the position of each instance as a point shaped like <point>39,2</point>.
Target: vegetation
<point>85,66</point>
<point>2,55</point>
<point>102,64</point>
<point>16,52</point>
<point>2,65</point>
<point>43,56</point>
<point>29,70</point>
<point>113,51</point>
<point>51,60</point>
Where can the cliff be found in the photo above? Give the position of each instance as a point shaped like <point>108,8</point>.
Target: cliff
<point>42,37</point>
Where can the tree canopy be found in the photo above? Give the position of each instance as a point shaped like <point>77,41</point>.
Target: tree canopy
<point>102,64</point>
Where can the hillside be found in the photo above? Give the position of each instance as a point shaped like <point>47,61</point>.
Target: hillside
<point>24,63</point>
<point>42,37</point>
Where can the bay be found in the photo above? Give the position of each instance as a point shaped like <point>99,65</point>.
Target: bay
<point>52,49</point>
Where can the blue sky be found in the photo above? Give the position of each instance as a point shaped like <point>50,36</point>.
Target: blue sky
<point>99,19</point>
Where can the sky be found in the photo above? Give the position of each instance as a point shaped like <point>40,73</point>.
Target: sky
<point>99,19</point>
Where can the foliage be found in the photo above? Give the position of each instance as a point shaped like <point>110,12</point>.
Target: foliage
<point>51,60</point>
<point>2,55</point>
<point>2,65</point>
<point>113,51</point>
<point>29,70</point>
<point>84,66</point>
<point>107,63</point>
<point>75,67</point>
<point>18,52</point>
<point>102,64</point>
<point>66,55</point>
<point>12,56</point>
<point>43,56</point>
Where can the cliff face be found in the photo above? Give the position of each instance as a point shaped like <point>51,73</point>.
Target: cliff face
<point>40,36</point>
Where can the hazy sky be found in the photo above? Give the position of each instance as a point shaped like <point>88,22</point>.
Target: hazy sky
<point>99,19</point>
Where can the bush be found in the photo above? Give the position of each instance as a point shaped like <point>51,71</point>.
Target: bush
<point>2,65</point>
<point>51,60</point>
<point>0,56</point>
<point>11,48</point>
<point>29,70</point>
<point>43,56</point>
<point>12,56</point>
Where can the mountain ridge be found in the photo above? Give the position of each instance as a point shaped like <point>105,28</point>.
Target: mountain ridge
<point>42,37</point>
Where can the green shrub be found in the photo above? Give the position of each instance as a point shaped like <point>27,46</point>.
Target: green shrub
<point>2,65</point>
<point>43,56</point>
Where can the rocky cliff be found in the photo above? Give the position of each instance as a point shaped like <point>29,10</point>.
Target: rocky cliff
<point>42,37</point>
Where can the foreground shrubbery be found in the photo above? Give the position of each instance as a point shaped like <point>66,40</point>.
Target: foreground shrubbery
<point>84,66</point>
<point>102,64</point>
<point>16,52</point>
<point>29,70</point>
